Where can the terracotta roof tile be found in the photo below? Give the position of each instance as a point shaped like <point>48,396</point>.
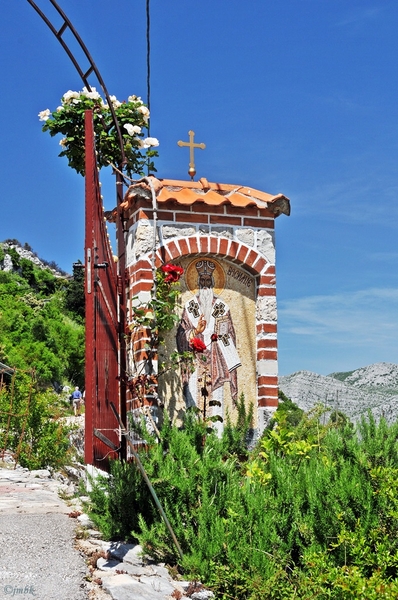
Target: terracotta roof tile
<point>187,193</point>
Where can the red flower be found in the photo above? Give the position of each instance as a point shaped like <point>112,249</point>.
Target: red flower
<point>214,337</point>
<point>174,272</point>
<point>197,345</point>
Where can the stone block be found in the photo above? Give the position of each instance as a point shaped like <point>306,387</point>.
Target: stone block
<point>202,595</point>
<point>161,571</point>
<point>267,367</point>
<point>137,570</point>
<point>121,551</point>
<point>134,555</point>
<point>143,240</point>
<point>266,245</point>
<point>104,564</point>
<point>85,521</point>
<point>159,584</point>
<point>124,587</point>
<point>246,236</point>
<point>171,231</point>
<point>226,232</point>
<point>266,308</point>
<point>41,473</point>
<point>264,417</point>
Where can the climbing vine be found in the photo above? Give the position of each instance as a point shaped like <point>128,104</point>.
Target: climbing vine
<point>152,321</point>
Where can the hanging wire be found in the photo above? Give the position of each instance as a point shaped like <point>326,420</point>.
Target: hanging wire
<point>148,60</point>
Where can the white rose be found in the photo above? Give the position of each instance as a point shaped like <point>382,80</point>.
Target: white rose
<point>70,95</point>
<point>134,98</point>
<point>132,129</point>
<point>148,142</point>
<point>144,110</point>
<point>59,108</point>
<point>63,142</point>
<point>93,95</point>
<point>44,114</point>
<point>115,101</point>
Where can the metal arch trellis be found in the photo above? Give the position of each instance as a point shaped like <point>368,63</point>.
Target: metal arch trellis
<point>83,74</point>
<point>94,248</point>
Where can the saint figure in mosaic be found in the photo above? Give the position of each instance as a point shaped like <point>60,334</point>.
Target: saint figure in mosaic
<point>206,317</point>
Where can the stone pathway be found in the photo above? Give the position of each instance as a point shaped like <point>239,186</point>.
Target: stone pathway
<point>41,557</point>
<point>38,558</point>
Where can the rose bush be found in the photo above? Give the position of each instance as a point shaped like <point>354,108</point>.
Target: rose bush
<point>133,116</point>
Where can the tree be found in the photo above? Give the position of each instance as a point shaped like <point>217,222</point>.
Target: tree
<point>74,298</point>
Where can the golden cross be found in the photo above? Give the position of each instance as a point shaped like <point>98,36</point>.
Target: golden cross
<point>191,145</point>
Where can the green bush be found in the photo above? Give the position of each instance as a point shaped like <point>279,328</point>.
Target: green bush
<point>14,257</point>
<point>30,425</point>
<point>45,345</point>
<point>37,333</point>
<point>74,295</point>
<point>118,500</point>
<point>313,513</point>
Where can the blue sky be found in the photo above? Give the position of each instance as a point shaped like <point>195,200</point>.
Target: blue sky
<point>294,96</point>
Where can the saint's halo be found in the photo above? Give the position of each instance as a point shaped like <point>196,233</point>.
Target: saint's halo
<point>191,275</point>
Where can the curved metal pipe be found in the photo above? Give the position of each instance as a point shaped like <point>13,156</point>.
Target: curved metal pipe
<point>93,68</point>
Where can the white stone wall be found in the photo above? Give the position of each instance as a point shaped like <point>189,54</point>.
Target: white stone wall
<point>140,238</point>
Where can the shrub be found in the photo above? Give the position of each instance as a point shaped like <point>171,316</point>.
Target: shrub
<point>30,425</point>
<point>118,500</point>
<point>36,333</point>
<point>314,514</point>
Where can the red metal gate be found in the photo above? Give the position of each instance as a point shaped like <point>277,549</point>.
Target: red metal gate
<point>104,377</point>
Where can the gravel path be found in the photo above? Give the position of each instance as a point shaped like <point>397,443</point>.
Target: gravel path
<point>37,558</point>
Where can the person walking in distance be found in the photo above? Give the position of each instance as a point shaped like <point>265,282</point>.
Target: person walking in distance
<point>77,400</point>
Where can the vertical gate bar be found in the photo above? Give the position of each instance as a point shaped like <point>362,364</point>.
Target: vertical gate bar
<point>90,194</point>
<point>121,289</point>
<point>105,317</point>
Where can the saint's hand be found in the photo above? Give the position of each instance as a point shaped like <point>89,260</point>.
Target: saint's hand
<point>201,326</point>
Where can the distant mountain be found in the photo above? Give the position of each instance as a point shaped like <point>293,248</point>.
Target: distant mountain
<point>353,392</point>
<point>11,251</point>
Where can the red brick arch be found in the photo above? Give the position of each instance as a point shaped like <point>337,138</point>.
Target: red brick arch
<point>140,273</point>
<point>216,246</point>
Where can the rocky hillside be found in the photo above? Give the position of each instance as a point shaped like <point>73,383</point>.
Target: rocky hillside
<point>11,252</point>
<point>355,392</point>
<point>41,318</point>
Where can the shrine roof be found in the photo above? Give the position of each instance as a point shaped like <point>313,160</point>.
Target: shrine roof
<point>188,193</point>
